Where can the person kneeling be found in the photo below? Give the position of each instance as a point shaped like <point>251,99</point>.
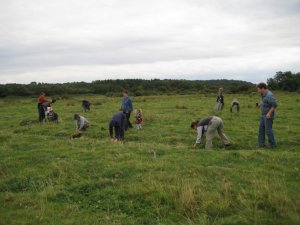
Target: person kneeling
<point>209,125</point>
<point>81,123</point>
<point>117,123</point>
<point>51,115</point>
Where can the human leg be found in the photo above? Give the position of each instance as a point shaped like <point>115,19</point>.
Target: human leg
<point>221,133</point>
<point>261,132</point>
<point>211,129</point>
<point>270,132</point>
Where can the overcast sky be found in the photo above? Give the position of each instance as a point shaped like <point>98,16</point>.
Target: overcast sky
<point>85,40</point>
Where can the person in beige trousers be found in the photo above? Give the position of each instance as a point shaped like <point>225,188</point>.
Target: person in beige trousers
<point>209,125</point>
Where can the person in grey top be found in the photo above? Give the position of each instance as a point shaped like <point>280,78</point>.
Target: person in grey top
<point>236,103</point>
<point>267,107</point>
<point>209,125</point>
<point>81,123</point>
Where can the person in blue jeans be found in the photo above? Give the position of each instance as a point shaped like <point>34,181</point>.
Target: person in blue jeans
<point>267,107</point>
<point>126,107</point>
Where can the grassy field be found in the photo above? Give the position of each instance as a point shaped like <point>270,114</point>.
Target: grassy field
<point>48,178</point>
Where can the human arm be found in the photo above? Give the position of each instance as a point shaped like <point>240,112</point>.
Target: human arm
<point>272,102</point>
<point>199,135</point>
<point>270,112</point>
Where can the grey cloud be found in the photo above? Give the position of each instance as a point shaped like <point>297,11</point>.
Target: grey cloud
<point>133,35</point>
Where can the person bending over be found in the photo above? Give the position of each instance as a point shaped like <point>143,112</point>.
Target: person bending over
<point>81,123</point>
<point>117,123</point>
<point>209,125</point>
<point>236,103</point>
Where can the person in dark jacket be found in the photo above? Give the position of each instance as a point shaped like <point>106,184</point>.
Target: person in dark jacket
<point>209,125</point>
<point>127,108</point>
<point>86,105</point>
<point>117,123</point>
<point>236,103</point>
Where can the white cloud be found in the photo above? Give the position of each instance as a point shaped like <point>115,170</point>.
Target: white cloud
<point>59,41</point>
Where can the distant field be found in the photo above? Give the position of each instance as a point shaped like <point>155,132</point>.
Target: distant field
<point>47,178</point>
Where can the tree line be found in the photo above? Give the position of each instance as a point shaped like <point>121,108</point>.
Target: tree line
<point>286,81</point>
<point>137,87</point>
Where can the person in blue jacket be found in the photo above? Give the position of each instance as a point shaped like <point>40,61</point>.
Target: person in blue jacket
<point>127,108</point>
<point>117,123</point>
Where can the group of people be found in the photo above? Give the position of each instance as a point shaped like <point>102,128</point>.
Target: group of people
<point>208,126</point>
<point>45,110</point>
<point>119,123</point>
<point>212,124</point>
<point>220,102</point>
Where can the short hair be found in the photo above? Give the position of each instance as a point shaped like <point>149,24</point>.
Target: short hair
<point>194,123</point>
<point>76,116</point>
<point>125,91</point>
<point>42,93</point>
<point>261,85</point>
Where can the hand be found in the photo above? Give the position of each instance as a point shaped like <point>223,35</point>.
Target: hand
<point>268,116</point>
<point>194,146</point>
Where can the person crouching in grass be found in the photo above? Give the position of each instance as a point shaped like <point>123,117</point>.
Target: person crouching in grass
<point>209,125</point>
<point>81,123</point>
<point>117,123</point>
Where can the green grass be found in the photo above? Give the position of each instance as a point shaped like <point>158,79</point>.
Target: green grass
<point>48,178</point>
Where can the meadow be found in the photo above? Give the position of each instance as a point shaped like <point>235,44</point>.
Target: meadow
<point>48,178</point>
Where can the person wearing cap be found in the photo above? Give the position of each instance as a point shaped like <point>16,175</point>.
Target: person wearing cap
<point>117,123</point>
<point>209,125</point>
<point>267,107</point>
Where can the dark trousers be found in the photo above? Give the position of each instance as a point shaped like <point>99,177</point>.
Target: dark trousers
<point>41,111</point>
<point>127,124</point>
<point>119,130</point>
<point>237,107</point>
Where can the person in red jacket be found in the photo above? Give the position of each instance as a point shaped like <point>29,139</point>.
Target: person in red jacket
<point>41,109</point>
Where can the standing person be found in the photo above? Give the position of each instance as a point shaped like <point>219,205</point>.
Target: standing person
<point>138,119</point>
<point>209,125</point>
<point>236,103</point>
<point>40,106</point>
<point>267,107</point>
<point>220,99</point>
<point>81,123</point>
<point>117,123</point>
<point>127,108</point>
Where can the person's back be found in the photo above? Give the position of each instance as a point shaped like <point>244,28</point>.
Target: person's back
<point>209,125</point>
<point>118,117</point>
<point>117,122</point>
